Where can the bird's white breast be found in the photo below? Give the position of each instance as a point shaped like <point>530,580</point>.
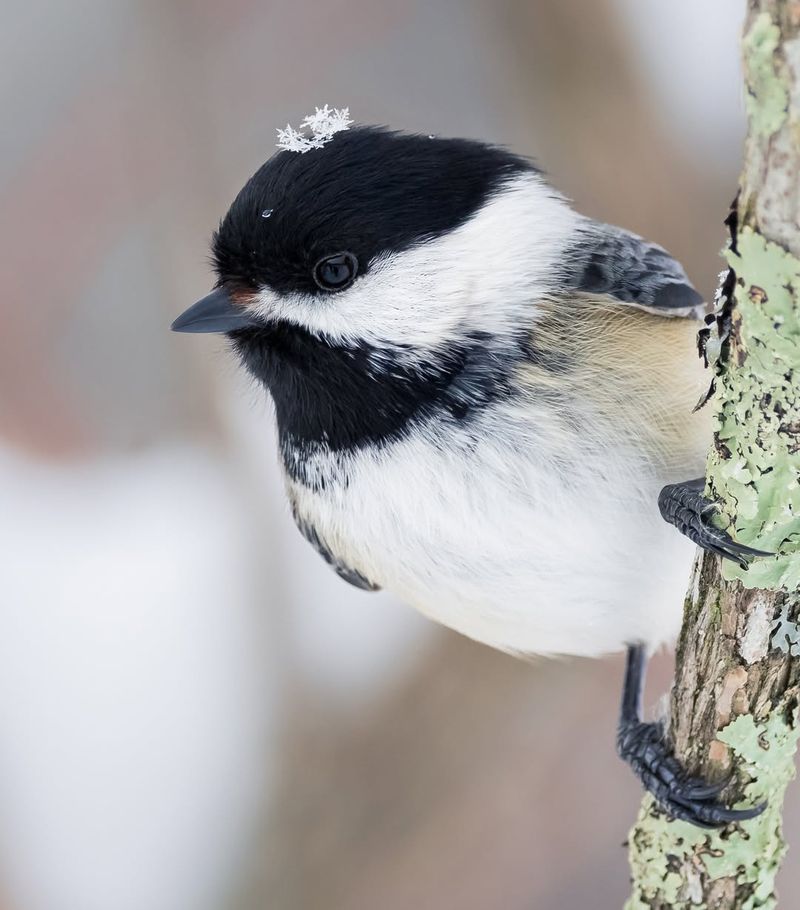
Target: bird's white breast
<point>509,531</point>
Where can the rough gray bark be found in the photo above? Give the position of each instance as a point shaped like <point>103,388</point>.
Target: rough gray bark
<point>737,683</point>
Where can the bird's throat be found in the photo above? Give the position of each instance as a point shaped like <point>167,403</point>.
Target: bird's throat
<point>348,396</point>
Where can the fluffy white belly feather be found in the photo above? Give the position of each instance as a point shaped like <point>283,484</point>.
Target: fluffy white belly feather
<point>534,526</point>
<point>485,532</point>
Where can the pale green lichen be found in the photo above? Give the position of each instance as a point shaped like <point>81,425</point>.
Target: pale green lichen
<point>667,855</point>
<point>786,633</point>
<point>767,99</point>
<point>659,849</point>
<point>753,471</point>
<point>754,467</point>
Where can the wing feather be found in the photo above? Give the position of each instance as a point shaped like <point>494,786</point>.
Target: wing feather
<point>340,568</point>
<point>614,262</point>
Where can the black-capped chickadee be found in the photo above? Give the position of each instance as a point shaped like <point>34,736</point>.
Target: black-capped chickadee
<point>483,400</point>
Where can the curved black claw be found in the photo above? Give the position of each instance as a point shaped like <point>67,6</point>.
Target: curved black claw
<point>684,506</point>
<point>643,746</point>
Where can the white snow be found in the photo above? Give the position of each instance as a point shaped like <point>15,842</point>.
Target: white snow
<point>324,123</point>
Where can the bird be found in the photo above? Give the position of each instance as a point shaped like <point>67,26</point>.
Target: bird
<point>484,400</point>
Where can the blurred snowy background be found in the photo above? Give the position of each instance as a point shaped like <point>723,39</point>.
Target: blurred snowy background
<point>195,714</point>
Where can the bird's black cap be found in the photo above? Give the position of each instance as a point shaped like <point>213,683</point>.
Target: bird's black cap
<point>368,190</point>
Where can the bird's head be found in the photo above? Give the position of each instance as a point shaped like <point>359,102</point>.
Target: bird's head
<point>384,239</point>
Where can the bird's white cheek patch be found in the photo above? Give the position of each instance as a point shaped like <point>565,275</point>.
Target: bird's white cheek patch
<point>485,276</point>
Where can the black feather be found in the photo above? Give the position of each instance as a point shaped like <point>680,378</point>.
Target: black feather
<point>339,567</point>
<point>350,396</point>
<point>368,191</point>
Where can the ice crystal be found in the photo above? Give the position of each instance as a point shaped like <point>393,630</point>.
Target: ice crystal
<point>323,125</point>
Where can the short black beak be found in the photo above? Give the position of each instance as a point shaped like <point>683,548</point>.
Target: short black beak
<point>216,312</point>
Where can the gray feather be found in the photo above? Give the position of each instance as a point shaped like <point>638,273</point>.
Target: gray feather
<point>341,569</point>
<point>609,260</point>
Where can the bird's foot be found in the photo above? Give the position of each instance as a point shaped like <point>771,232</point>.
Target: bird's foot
<point>644,748</point>
<point>684,506</point>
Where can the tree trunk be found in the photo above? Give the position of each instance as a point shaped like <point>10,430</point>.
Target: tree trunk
<point>737,684</point>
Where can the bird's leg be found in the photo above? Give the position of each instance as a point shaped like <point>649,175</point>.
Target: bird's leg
<point>684,506</point>
<point>644,747</point>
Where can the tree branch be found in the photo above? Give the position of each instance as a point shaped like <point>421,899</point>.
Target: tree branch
<point>737,683</point>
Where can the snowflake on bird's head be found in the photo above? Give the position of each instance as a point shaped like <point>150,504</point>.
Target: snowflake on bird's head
<point>324,123</point>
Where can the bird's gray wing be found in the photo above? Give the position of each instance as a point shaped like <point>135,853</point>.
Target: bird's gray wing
<point>341,569</point>
<point>609,260</point>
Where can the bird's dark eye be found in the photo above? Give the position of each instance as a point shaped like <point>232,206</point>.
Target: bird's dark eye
<point>337,272</point>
